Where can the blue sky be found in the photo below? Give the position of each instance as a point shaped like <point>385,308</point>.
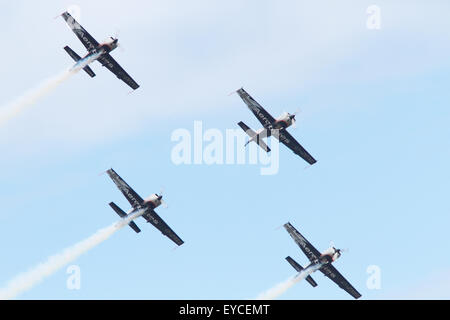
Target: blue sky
<point>374,113</point>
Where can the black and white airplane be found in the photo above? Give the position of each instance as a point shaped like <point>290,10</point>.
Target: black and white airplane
<point>272,127</point>
<point>147,206</point>
<point>98,51</point>
<point>319,261</point>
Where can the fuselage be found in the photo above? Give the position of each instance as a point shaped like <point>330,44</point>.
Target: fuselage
<point>95,54</point>
<point>151,202</point>
<point>284,121</point>
<point>327,257</point>
<point>106,47</point>
<point>312,267</point>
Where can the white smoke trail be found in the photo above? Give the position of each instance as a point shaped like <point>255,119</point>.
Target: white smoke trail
<point>29,279</point>
<point>282,287</point>
<point>277,290</point>
<point>30,97</point>
<point>15,107</point>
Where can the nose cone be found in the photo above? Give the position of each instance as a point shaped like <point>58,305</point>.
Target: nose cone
<point>114,43</point>
<point>159,197</point>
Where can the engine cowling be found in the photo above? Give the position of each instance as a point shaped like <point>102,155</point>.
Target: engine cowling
<point>154,200</point>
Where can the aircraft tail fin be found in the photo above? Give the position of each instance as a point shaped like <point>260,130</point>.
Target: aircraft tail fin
<point>299,268</point>
<point>122,214</point>
<point>77,58</point>
<point>253,136</point>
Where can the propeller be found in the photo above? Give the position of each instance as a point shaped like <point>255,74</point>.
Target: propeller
<point>115,37</point>
<point>294,122</point>
<point>341,251</point>
<point>292,116</point>
<point>338,251</point>
<point>116,34</point>
<point>163,203</point>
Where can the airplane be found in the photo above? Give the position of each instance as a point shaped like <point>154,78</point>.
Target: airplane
<point>319,261</point>
<point>98,51</point>
<point>148,205</point>
<point>272,127</point>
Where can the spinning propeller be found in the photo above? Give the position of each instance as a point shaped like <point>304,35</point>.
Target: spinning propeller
<point>115,38</point>
<point>339,251</point>
<point>292,117</point>
<point>163,203</point>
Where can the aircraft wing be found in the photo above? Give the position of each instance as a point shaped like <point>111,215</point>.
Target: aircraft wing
<point>107,61</point>
<point>289,141</point>
<point>133,198</point>
<point>88,41</point>
<point>260,113</point>
<point>331,272</point>
<point>152,217</point>
<point>307,248</point>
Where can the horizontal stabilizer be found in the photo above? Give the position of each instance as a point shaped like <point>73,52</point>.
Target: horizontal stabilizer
<point>122,214</point>
<point>77,58</point>
<point>134,226</point>
<point>299,268</point>
<point>89,71</point>
<point>72,53</point>
<point>247,129</point>
<point>254,136</point>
